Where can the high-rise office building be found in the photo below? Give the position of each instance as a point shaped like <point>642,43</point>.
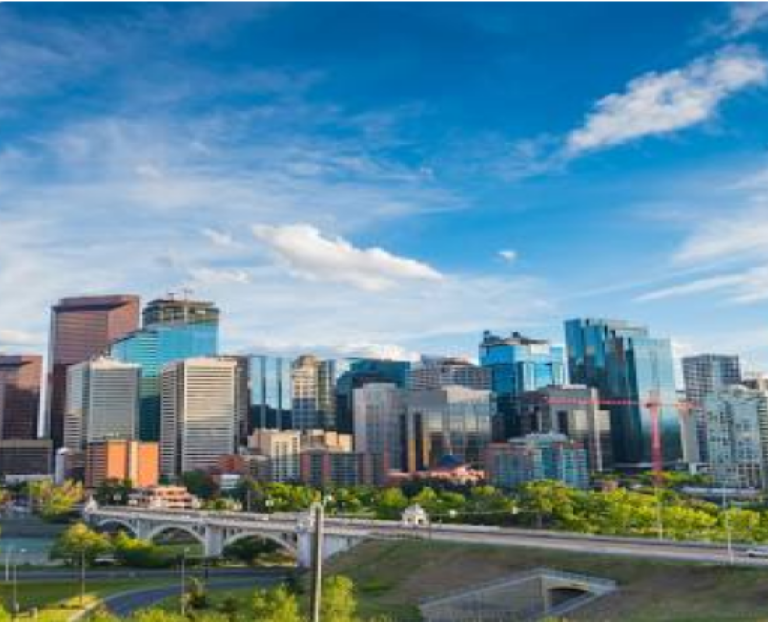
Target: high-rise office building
<point>271,393</point>
<point>378,421</point>
<point>537,457</point>
<point>575,411</point>
<point>704,375</point>
<point>737,426</point>
<point>360,373</point>
<point>173,330</point>
<point>435,372</point>
<point>174,311</point>
<point>627,365</point>
<point>518,364</point>
<point>452,421</point>
<point>102,402</point>
<point>82,328</point>
<point>199,414</point>
<point>313,383</point>
<point>20,381</point>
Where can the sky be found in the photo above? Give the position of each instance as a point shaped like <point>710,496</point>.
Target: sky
<point>390,179</point>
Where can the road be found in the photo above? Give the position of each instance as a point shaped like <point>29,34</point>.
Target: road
<point>63,574</point>
<point>125,603</point>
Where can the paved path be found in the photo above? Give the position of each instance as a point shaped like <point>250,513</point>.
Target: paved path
<point>67,573</point>
<point>125,603</point>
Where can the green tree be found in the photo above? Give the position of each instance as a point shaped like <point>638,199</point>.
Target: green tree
<point>139,553</point>
<point>113,492</point>
<point>276,605</point>
<point>250,550</point>
<point>338,603</point>
<point>52,502</point>
<point>390,504</point>
<point>200,484</point>
<point>80,542</point>
<point>549,501</point>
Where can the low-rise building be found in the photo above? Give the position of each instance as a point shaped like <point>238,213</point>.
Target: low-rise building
<point>122,460</point>
<point>164,497</point>
<point>320,467</point>
<point>25,458</point>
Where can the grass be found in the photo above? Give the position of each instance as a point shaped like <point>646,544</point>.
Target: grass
<point>392,577</point>
<point>57,601</point>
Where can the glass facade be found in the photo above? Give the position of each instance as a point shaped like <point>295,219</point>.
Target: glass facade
<point>154,347</point>
<point>518,364</point>
<point>626,364</point>
<point>271,394</point>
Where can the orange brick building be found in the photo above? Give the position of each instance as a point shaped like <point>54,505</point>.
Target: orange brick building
<point>122,459</point>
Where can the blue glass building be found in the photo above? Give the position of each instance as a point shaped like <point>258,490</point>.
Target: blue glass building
<point>624,362</point>
<point>271,394</point>
<point>364,371</point>
<point>163,341</point>
<point>518,364</point>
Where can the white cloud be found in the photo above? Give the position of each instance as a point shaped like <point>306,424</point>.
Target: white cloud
<point>743,18</point>
<point>698,286</point>
<point>219,238</point>
<point>508,255</point>
<point>19,338</point>
<point>660,103</point>
<point>308,254</point>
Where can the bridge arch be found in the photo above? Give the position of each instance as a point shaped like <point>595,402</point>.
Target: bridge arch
<point>127,525</point>
<point>285,543</point>
<point>160,529</point>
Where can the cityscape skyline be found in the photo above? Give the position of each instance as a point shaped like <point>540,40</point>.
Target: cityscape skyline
<point>382,176</point>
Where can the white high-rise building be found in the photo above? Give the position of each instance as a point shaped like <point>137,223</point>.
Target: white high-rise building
<point>378,411</point>
<point>199,414</point>
<point>737,437</point>
<point>102,402</point>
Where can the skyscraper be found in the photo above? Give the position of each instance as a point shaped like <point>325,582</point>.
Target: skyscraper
<point>434,372</point>
<point>452,421</point>
<point>360,373</point>
<point>737,424</point>
<point>313,383</point>
<point>82,328</point>
<point>20,378</point>
<point>572,410</point>
<point>271,393</point>
<point>200,411</point>
<point>625,363</point>
<point>102,402</point>
<point>173,330</point>
<point>378,428</point>
<point>704,375</point>
<point>518,364</point>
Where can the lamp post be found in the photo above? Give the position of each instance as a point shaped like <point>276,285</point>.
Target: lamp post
<point>8,557</point>
<point>183,584</point>
<point>16,584</point>
<point>317,510</point>
<point>659,516</point>
<point>82,577</point>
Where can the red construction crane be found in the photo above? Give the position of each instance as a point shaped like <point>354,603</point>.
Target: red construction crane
<point>654,405</point>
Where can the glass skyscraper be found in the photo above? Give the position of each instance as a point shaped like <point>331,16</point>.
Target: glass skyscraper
<point>518,364</point>
<point>625,363</point>
<point>271,394</point>
<point>166,337</point>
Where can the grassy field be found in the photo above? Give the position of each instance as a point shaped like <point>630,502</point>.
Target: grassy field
<point>58,600</point>
<point>393,576</point>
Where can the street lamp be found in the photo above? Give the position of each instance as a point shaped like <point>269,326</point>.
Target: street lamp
<point>8,557</point>
<point>82,577</point>
<point>16,583</point>
<point>317,510</point>
<point>183,569</point>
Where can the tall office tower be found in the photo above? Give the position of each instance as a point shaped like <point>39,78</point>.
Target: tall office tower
<point>173,330</point>
<point>280,450</point>
<point>537,457</point>
<point>313,383</point>
<point>435,372</point>
<point>360,373</point>
<point>102,402</point>
<point>518,364</point>
<point>737,425</point>
<point>82,328</point>
<point>20,378</point>
<point>573,410</point>
<point>378,422</point>
<point>271,394</point>
<point>625,363</point>
<point>452,421</point>
<point>199,411</point>
<point>175,311</point>
<point>705,374</point>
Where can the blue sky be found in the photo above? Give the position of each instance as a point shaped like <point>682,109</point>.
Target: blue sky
<point>391,179</point>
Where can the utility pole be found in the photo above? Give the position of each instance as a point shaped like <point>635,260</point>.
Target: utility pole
<point>317,510</point>
<point>183,569</point>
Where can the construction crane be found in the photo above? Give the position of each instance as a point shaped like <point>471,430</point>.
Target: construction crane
<point>653,404</point>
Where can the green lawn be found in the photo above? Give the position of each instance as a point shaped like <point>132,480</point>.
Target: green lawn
<point>58,600</point>
<point>393,576</point>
